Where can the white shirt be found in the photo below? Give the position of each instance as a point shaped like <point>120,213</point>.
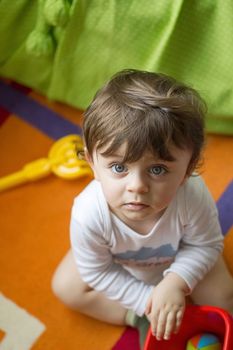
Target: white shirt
<point>125,265</point>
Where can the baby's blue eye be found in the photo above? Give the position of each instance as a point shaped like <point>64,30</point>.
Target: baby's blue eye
<point>118,168</point>
<point>158,170</point>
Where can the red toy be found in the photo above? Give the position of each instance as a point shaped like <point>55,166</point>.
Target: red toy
<point>197,319</point>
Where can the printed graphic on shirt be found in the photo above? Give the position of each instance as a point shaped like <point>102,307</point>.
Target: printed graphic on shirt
<point>146,256</point>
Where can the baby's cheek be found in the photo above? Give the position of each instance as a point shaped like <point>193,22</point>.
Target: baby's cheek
<point>111,192</point>
<point>164,196</point>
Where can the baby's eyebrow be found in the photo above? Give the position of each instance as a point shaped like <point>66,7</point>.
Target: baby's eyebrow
<point>161,160</point>
<point>168,161</point>
<point>113,155</point>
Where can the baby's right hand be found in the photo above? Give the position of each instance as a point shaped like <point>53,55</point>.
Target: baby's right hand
<point>166,306</point>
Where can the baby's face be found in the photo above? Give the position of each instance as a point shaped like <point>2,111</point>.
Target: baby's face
<point>139,192</point>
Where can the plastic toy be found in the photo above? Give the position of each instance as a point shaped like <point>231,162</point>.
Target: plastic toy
<point>62,160</point>
<point>197,319</point>
<point>204,341</point>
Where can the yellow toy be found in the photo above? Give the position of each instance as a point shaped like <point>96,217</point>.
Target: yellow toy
<point>62,160</point>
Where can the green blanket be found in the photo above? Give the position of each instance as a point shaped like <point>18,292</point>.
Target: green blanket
<point>67,49</point>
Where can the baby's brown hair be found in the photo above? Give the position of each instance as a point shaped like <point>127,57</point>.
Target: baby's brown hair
<point>147,111</point>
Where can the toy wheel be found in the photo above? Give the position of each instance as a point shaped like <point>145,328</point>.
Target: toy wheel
<point>64,159</point>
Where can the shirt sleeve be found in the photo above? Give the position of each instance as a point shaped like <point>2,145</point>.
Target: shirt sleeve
<point>94,260</point>
<point>202,240</point>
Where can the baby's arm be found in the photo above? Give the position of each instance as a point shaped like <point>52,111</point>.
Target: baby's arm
<point>199,249</point>
<point>98,269</point>
<point>166,305</point>
<point>202,240</point>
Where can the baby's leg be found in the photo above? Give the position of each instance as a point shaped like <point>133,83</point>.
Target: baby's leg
<point>216,288</point>
<point>68,286</point>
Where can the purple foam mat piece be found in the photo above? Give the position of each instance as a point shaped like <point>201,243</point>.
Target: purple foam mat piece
<point>47,121</point>
<point>129,340</point>
<point>4,114</point>
<point>225,209</point>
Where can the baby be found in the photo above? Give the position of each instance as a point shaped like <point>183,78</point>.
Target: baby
<point>145,232</point>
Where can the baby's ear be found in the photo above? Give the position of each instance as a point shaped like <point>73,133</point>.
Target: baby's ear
<point>87,156</point>
<point>189,173</point>
<point>89,159</point>
<point>184,179</point>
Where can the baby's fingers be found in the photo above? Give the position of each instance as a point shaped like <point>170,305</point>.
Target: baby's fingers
<point>166,323</point>
<point>170,325</point>
<point>160,325</point>
<point>154,322</point>
<point>179,317</point>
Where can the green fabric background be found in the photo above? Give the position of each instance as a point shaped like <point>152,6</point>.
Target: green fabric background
<point>190,40</point>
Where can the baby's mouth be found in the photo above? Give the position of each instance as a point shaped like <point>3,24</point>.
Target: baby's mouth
<point>136,206</point>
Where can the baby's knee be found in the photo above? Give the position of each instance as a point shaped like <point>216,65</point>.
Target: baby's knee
<point>226,299</point>
<point>68,292</point>
<point>223,297</point>
<point>58,286</point>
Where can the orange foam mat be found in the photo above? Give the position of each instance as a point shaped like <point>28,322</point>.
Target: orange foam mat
<point>217,169</point>
<point>34,226</point>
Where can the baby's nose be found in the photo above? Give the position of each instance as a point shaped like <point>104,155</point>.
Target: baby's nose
<point>137,183</point>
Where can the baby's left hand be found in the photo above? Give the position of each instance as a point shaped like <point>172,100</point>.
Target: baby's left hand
<point>166,306</point>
